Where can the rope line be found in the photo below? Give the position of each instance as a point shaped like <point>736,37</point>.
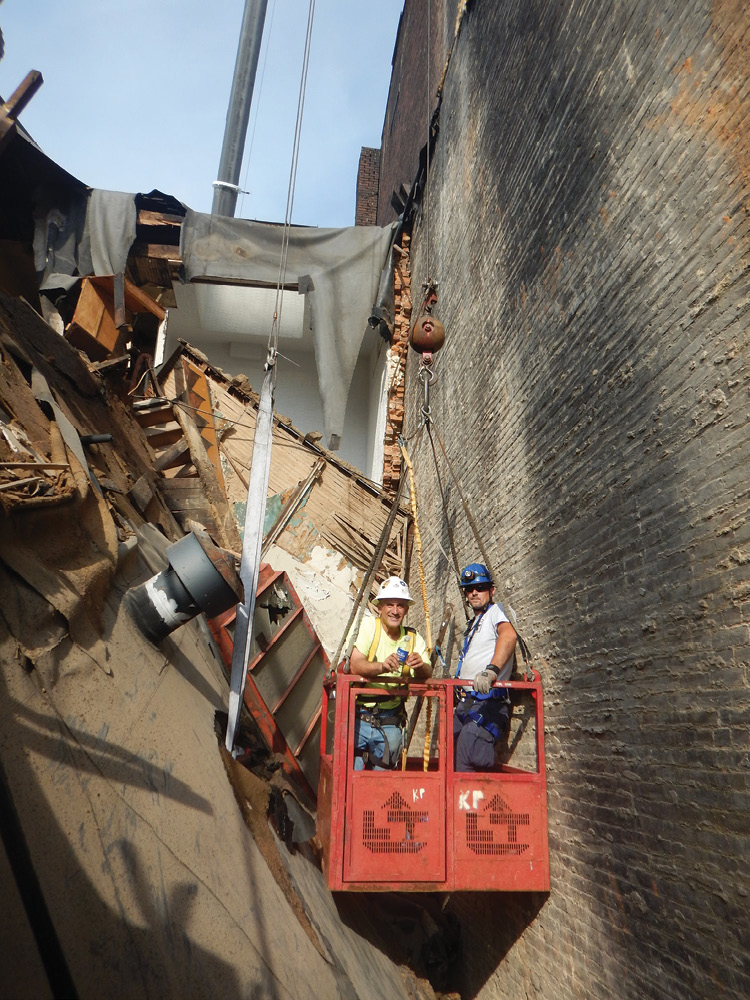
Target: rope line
<point>477,538</point>
<point>418,538</point>
<point>249,156</point>
<point>469,518</point>
<point>428,52</point>
<point>451,539</point>
<point>358,610</point>
<point>427,628</point>
<point>273,338</point>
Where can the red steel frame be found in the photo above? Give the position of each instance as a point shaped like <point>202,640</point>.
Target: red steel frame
<point>431,831</point>
<point>253,699</point>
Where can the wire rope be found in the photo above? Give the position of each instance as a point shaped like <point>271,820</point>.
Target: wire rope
<point>467,511</point>
<point>273,338</point>
<point>249,156</point>
<point>451,539</point>
<point>349,635</point>
<point>428,53</point>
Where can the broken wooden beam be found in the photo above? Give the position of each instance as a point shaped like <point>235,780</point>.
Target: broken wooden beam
<point>23,93</point>
<point>12,108</point>
<point>171,456</point>
<point>229,536</point>
<point>160,251</point>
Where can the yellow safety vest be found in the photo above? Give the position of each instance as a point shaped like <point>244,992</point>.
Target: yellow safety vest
<point>368,701</point>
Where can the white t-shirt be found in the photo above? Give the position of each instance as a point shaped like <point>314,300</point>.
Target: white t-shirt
<point>482,644</point>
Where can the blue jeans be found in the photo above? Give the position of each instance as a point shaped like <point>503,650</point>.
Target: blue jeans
<point>370,740</point>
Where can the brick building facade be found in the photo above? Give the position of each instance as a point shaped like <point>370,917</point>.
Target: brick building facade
<point>588,226</point>
<point>368,178</point>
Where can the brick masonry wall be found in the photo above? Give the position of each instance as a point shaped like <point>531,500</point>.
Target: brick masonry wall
<point>589,229</point>
<point>426,26</point>
<point>397,359</point>
<point>368,176</point>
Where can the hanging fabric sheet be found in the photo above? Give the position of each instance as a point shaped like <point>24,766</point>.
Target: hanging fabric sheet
<point>338,270</point>
<point>91,233</point>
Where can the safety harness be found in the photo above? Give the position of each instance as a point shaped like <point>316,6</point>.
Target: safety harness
<point>392,716</point>
<point>487,710</point>
<point>491,713</point>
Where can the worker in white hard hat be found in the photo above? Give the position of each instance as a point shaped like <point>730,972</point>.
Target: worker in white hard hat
<point>385,649</point>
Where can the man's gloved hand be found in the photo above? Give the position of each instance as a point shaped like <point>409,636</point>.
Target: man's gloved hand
<point>483,682</point>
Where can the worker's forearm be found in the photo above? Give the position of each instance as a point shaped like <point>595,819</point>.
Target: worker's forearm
<point>360,665</point>
<point>504,646</point>
<point>423,671</point>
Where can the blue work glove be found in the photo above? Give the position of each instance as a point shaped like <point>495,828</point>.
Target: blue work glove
<point>483,682</point>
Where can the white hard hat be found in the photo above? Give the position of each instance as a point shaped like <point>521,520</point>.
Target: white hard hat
<point>394,587</point>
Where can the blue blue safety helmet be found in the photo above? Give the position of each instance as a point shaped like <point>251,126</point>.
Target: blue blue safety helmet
<point>475,573</point>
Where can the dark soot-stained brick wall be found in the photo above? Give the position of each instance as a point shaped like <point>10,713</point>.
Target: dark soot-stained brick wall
<point>588,220</point>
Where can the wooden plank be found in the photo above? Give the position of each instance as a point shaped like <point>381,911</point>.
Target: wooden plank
<point>340,491</point>
<point>155,415</point>
<point>171,456</point>
<point>183,472</point>
<point>135,299</point>
<point>181,502</point>
<point>199,397</point>
<point>160,437</point>
<point>149,218</point>
<point>141,493</point>
<point>90,308</point>
<point>34,465</point>
<point>158,251</point>
<point>148,270</point>
<point>103,366</point>
<point>228,532</point>
<point>182,484</point>
<point>189,502</point>
<point>21,96</point>
<point>92,328</point>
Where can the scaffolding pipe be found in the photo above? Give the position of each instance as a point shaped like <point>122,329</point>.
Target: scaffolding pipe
<point>226,186</point>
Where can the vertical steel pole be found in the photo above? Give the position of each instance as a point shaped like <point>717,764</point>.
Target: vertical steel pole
<point>238,113</point>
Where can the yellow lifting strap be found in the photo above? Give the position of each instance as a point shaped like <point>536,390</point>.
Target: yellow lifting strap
<point>373,652</point>
<point>375,642</point>
<point>428,634</point>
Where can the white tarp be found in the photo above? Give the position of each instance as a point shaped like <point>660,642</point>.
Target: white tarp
<point>338,271</point>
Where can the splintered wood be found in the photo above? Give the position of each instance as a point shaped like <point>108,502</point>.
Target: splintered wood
<point>340,510</point>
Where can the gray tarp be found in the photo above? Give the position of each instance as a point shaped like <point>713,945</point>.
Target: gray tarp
<point>110,227</point>
<point>92,236</point>
<point>338,270</point>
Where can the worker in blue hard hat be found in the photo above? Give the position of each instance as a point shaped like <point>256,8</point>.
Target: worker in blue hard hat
<point>385,650</point>
<point>482,714</point>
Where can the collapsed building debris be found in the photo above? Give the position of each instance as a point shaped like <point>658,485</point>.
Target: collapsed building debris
<point>108,460</point>
<point>128,728</point>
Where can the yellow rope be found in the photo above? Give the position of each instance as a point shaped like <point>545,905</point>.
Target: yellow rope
<point>428,633</point>
<point>427,736</point>
<point>413,491</point>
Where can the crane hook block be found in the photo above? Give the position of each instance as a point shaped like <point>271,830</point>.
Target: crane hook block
<point>427,335</point>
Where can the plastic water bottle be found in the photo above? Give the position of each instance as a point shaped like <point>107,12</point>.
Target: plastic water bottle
<point>402,652</point>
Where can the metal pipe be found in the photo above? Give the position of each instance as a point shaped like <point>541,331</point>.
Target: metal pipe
<point>238,113</point>
<point>199,578</point>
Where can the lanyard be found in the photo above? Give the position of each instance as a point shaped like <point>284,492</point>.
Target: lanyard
<point>469,634</point>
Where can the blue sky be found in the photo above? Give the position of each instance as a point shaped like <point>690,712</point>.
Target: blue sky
<point>135,95</point>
